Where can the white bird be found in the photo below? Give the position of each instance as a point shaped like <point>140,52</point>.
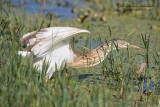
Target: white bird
<point>52,46</point>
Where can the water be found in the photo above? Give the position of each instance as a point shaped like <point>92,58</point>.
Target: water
<point>61,8</point>
<point>138,1</point>
<point>86,76</point>
<point>88,44</point>
<point>147,86</point>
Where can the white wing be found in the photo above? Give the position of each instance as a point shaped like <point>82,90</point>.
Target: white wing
<point>25,53</point>
<point>61,54</point>
<point>52,46</point>
<point>41,42</point>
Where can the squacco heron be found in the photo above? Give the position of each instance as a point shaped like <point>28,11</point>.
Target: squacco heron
<point>53,46</point>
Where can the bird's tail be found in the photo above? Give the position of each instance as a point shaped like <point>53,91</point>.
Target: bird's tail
<point>25,53</point>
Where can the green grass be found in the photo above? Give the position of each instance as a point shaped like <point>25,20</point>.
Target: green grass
<point>22,86</point>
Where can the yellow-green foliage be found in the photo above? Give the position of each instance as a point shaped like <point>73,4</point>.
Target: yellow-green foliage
<point>116,81</point>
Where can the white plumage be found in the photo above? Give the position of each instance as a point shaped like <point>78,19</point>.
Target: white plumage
<point>50,46</point>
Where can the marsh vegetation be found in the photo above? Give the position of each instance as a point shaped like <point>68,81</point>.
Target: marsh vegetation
<point>127,78</point>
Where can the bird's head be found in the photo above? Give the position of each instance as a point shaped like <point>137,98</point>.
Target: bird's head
<point>118,44</point>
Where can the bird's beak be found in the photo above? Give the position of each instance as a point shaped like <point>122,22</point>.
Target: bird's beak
<point>133,46</point>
